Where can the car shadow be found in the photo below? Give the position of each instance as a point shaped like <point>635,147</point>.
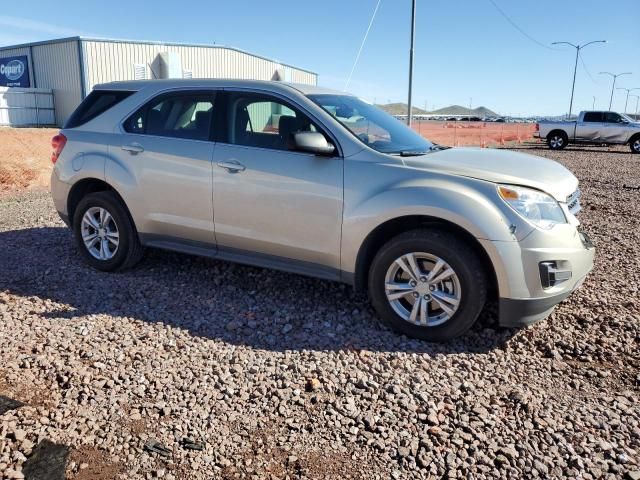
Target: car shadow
<point>241,305</point>
<point>570,148</point>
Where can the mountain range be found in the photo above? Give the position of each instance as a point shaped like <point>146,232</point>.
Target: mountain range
<point>453,110</point>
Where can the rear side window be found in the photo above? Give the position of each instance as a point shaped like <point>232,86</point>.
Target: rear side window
<point>180,116</point>
<point>593,117</point>
<point>97,102</point>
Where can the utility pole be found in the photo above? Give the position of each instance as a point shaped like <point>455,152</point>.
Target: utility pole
<point>593,107</point>
<point>613,87</point>
<point>627,100</point>
<point>636,111</point>
<point>575,67</point>
<point>470,102</point>
<point>413,37</point>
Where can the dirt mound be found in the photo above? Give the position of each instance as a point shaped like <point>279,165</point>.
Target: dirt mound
<point>26,158</point>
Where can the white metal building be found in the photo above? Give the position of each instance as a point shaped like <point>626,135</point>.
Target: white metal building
<point>66,70</point>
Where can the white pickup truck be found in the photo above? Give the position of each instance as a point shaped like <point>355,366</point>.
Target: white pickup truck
<point>592,127</point>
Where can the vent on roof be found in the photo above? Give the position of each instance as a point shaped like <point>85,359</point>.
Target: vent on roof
<point>187,74</point>
<point>140,71</point>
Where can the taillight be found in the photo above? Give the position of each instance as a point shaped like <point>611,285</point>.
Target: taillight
<point>537,127</point>
<point>58,142</point>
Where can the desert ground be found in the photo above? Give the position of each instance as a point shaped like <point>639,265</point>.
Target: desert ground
<point>280,376</point>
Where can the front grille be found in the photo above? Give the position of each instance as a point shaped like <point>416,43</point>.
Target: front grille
<point>573,202</point>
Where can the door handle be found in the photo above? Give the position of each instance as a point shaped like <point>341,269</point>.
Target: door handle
<point>232,166</point>
<point>133,148</point>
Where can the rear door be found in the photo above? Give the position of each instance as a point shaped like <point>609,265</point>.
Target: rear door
<point>167,148</point>
<point>590,128</point>
<point>273,202</point>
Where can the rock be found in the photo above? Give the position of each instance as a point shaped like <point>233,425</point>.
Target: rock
<point>312,385</point>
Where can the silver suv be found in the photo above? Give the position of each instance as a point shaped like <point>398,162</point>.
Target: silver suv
<point>321,183</point>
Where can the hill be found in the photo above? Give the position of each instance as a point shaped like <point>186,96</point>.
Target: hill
<point>459,110</point>
<point>453,110</point>
<point>400,109</point>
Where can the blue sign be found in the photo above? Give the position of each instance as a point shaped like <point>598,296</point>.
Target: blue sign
<point>14,72</point>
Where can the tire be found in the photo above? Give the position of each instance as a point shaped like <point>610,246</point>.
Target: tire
<point>468,282</point>
<point>128,250</point>
<point>557,140</point>
<point>634,144</point>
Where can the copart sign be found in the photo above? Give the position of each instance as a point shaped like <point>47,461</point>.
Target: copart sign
<point>14,72</point>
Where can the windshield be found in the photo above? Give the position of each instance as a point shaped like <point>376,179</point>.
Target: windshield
<point>372,126</point>
<point>627,118</point>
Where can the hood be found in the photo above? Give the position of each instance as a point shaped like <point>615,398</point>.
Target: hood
<point>501,166</point>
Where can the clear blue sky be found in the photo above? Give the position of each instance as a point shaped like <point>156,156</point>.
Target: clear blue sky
<point>464,48</point>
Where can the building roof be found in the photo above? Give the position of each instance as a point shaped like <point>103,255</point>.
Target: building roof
<point>213,83</point>
<point>148,42</point>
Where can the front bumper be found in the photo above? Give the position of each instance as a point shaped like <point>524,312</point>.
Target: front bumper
<point>523,299</point>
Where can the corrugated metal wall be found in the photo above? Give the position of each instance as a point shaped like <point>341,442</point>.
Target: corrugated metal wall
<point>57,66</point>
<point>107,61</point>
<point>54,66</point>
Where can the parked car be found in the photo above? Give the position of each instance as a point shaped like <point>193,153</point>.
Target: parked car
<point>317,182</point>
<point>591,127</point>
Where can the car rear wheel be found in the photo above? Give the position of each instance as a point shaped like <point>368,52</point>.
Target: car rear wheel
<point>635,145</point>
<point>427,284</point>
<point>557,140</point>
<point>105,234</point>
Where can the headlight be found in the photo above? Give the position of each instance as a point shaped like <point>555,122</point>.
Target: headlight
<point>533,205</point>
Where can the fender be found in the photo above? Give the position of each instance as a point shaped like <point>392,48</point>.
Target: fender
<point>471,204</point>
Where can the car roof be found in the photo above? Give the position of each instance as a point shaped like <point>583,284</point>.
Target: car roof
<point>136,85</point>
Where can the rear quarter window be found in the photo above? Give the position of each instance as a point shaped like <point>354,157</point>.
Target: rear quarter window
<point>96,103</point>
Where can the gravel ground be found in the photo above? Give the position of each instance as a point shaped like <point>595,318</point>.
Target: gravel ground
<point>282,376</point>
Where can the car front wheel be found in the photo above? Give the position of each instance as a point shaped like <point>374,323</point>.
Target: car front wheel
<point>427,284</point>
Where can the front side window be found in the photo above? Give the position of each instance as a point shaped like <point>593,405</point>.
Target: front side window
<point>612,117</point>
<point>265,122</point>
<point>178,116</point>
<point>374,127</point>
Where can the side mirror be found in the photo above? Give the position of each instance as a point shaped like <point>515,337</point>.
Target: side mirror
<point>313,142</point>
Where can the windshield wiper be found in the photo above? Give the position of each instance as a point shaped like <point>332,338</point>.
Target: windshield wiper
<point>410,153</point>
<point>413,153</point>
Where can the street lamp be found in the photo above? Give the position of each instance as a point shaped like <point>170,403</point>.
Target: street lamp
<point>627,100</point>
<point>637,99</point>
<point>575,68</point>
<point>614,75</point>
<point>413,38</point>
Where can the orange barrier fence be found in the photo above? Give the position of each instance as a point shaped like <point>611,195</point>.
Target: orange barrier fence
<point>480,134</point>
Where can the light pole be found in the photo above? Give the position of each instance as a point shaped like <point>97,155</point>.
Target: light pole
<point>413,37</point>
<point>613,87</point>
<point>637,99</point>
<point>627,100</point>
<point>593,107</point>
<point>575,68</point>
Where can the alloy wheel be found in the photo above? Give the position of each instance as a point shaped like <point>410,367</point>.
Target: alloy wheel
<point>556,141</point>
<point>423,289</point>
<point>100,233</point>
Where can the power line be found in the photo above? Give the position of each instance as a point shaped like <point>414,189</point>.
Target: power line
<point>584,65</point>
<point>515,25</point>
<point>364,39</point>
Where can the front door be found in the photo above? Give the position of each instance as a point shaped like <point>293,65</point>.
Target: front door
<point>168,151</point>
<point>614,128</point>
<point>272,202</point>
